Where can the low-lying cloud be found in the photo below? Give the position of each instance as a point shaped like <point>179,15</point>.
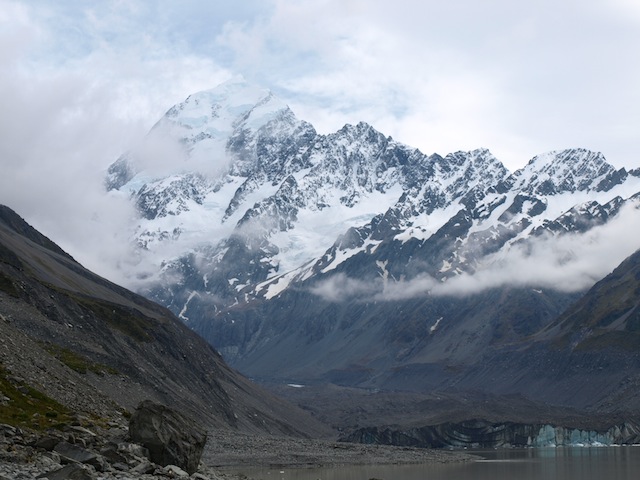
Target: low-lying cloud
<point>566,263</point>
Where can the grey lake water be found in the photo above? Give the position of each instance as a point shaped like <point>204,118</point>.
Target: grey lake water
<point>562,463</point>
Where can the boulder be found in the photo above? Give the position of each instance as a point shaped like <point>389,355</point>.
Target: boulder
<point>170,437</point>
<point>47,442</point>
<point>72,453</point>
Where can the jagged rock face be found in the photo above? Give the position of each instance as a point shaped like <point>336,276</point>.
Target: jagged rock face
<point>288,249</point>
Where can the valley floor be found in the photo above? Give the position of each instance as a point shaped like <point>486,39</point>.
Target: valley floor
<point>229,450</point>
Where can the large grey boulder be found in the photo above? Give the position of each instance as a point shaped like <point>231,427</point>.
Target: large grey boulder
<point>170,437</point>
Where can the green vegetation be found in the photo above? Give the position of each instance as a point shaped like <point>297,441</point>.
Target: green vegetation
<point>28,407</point>
<point>77,362</point>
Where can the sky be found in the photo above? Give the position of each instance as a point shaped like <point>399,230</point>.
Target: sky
<point>82,82</point>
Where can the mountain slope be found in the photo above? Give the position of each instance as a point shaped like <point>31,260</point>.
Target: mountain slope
<point>98,348</point>
<point>588,357</point>
<point>608,316</point>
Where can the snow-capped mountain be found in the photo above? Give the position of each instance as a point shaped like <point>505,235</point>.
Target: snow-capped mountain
<point>248,183</point>
<point>245,210</point>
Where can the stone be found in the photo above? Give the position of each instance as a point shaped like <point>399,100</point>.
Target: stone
<point>123,467</point>
<point>55,457</point>
<point>69,472</point>
<point>8,430</point>
<point>133,452</point>
<point>170,437</point>
<point>173,471</point>
<point>47,443</point>
<point>112,455</point>
<point>144,467</point>
<point>82,430</point>
<point>72,453</point>
<point>46,462</point>
<point>200,476</point>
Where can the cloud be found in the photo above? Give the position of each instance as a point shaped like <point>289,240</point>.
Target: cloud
<point>67,116</point>
<point>518,79</point>
<point>83,82</point>
<point>568,263</point>
<point>340,288</point>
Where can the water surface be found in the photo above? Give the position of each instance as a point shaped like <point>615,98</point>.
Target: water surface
<point>562,463</point>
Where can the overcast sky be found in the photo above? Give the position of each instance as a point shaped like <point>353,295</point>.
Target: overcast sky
<point>82,81</point>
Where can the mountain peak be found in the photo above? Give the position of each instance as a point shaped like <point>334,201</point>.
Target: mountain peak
<point>219,111</point>
<point>256,196</point>
<point>17,224</point>
<point>198,134</point>
<point>570,170</point>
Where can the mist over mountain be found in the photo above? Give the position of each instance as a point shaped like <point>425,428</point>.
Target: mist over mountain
<point>354,259</point>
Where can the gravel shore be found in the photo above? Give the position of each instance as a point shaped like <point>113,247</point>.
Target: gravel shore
<point>226,449</point>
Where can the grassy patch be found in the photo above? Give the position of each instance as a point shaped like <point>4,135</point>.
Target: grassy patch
<point>28,407</point>
<point>77,362</point>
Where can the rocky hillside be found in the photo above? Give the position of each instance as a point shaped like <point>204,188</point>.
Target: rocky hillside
<point>73,343</point>
<point>608,316</point>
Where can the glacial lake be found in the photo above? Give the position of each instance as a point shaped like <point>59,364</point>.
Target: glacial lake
<point>562,463</point>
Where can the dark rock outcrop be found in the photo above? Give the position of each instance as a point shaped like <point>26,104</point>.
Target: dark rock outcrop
<point>171,438</point>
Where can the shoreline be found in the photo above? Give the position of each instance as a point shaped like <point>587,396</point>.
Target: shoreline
<point>229,453</point>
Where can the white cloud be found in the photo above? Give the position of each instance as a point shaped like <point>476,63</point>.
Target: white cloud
<point>64,120</point>
<point>568,263</point>
<point>82,82</point>
<point>519,79</point>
